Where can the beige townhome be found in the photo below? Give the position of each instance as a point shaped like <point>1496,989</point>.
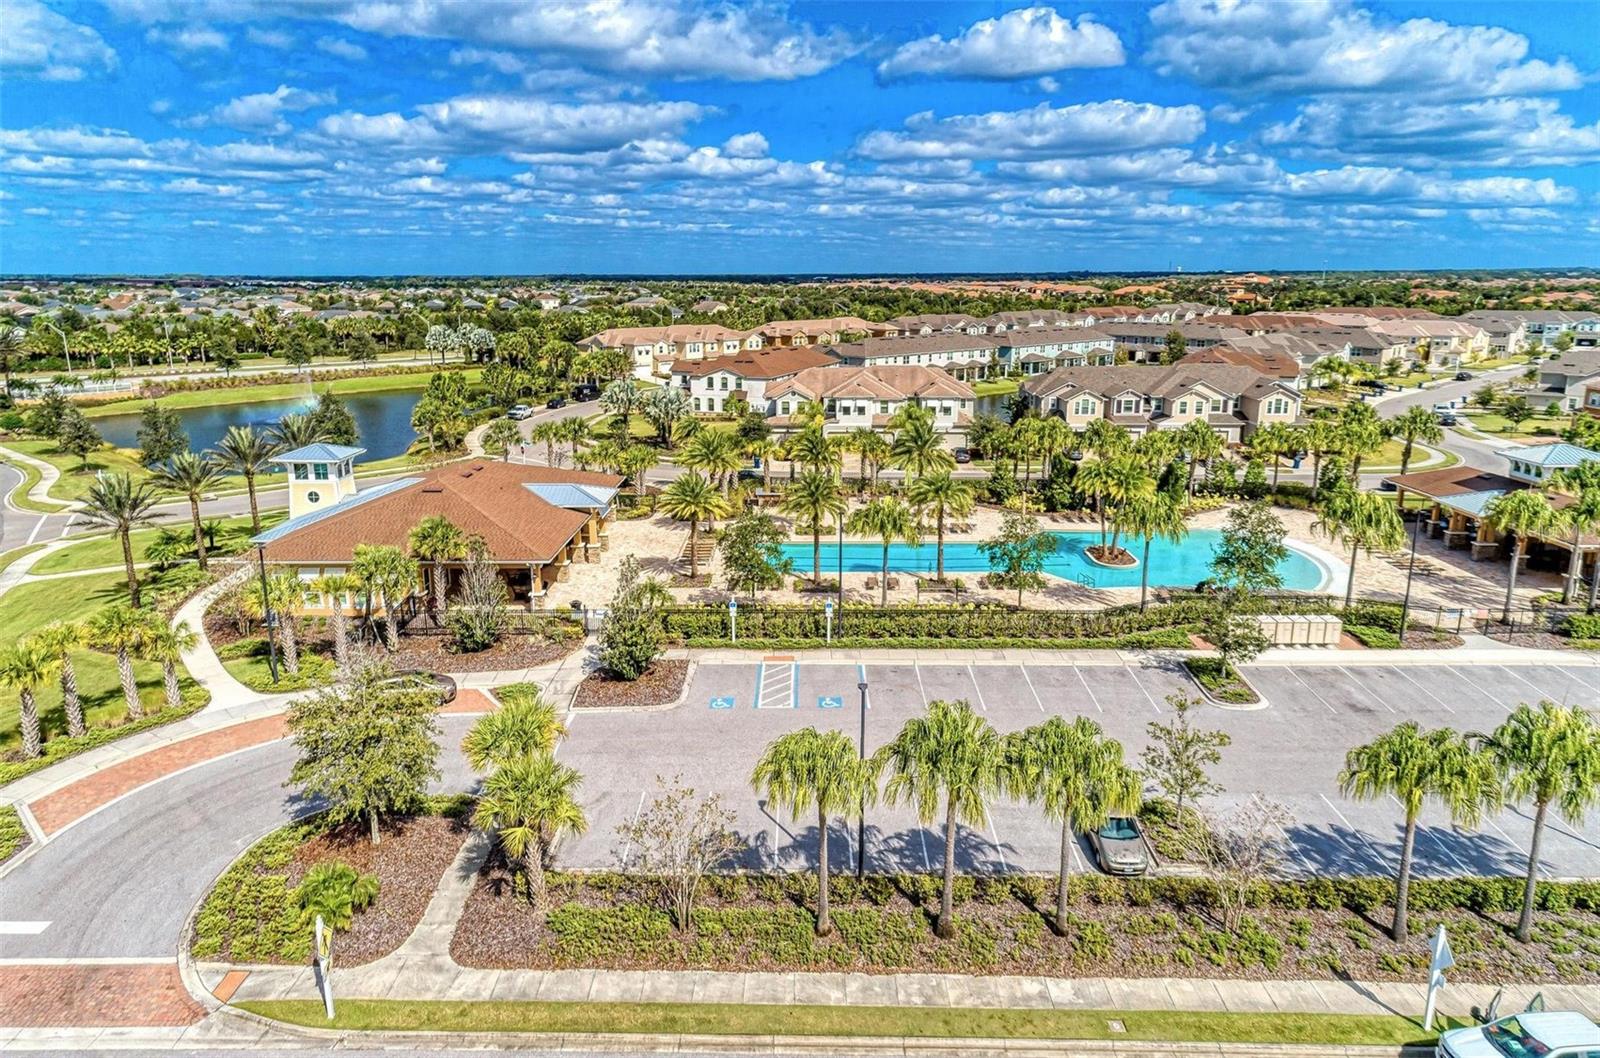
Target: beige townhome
<point>654,350</point>
<point>1036,350</point>
<point>1233,400</point>
<point>968,353</point>
<point>853,397</point>
<point>1440,343</point>
<point>819,332</point>
<point>711,384</point>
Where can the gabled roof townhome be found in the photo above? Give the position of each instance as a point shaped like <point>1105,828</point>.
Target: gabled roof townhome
<point>856,396</point>
<point>1234,400</point>
<point>744,376</point>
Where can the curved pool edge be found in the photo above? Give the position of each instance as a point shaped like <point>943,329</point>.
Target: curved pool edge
<point>1334,569</point>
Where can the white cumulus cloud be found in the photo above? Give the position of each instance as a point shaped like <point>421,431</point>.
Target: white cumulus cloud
<point>1080,129</point>
<point>340,48</point>
<point>1017,45</point>
<point>263,111</point>
<point>38,42</point>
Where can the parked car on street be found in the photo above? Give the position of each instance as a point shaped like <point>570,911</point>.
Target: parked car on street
<point>1530,1034</point>
<point>1119,846</point>
<point>520,412</point>
<point>963,455</point>
<point>556,402</point>
<point>1463,376</point>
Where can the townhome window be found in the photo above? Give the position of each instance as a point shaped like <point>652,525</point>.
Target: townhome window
<point>1183,407</point>
<point>1217,405</point>
<point>944,409</point>
<point>1278,406</point>
<point>783,408</point>
<point>697,404</point>
<point>883,407</point>
<point>1083,406</point>
<point>1127,405</point>
<point>722,383</point>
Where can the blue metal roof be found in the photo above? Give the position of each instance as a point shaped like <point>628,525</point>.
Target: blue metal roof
<point>1473,503</point>
<point>320,453</point>
<point>573,497</point>
<point>348,503</point>
<point>1560,454</point>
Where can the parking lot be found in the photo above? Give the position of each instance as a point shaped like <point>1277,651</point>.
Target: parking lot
<point>1291,751</point>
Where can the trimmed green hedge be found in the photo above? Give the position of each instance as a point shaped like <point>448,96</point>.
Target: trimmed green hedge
<point>12,834</point>
<point>1166,638</point>
<point>1582,626</point>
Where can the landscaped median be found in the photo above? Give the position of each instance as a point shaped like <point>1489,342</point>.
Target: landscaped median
<point>767,1020</point>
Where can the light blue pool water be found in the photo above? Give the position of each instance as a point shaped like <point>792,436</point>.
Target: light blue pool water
<point>1171,566</point>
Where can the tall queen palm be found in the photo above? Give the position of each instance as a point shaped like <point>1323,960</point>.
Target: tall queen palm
<point>942,493</point>
<point>1149,515</point>
<point>1521,514</point>
<point>1362,521</point>
<point>810,770</point>
<point>191,476</point>
<point>116,503</point>
<point>888,519</point>
<point>814,499</point>
<point>692,498</point>
<point>949,759</point>
<point>247,451</point>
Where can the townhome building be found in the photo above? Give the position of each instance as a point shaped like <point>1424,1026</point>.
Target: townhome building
<point>965,355</point>
<point>1507,333</point>
<point>1010,321</point>
<point>1035,350</point>
<point>654,350</point>
<point>1144,342</point>
<point>1564,379</point>
<point>1269,362</point>
<point>1438,342</point>
<point>1234,400</point>
<point>820,332</point>
<point>746,376</point>
<point>870,396</point>
<point>1307,346</point>
<point>924,324</point>
<point>1541,328</point>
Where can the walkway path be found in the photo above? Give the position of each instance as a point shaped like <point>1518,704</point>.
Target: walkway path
<point>48,476</point>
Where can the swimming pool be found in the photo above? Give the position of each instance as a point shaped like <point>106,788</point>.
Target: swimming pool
<point>1171,566</point>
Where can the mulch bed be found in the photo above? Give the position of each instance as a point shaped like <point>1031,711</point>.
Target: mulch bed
<point>512,652</point>
<point>661,684</point>
<point>1415,640</point>
<point>595,922</point>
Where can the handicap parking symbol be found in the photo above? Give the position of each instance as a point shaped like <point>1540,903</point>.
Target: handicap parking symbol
<point>830,701</point>
<point>724,701</point>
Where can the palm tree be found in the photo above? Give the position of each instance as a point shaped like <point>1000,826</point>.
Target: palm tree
<point>500,436</point>
<point>166,644</point>
<point>814,499</point>
<point>523,724</point>
<point>191,476</point>
<point>437,540</point>
<point>285,595</point>
<point>1550,755</point>
<point>1410,426</point>
<point>1027,436</point>
<point>1199,444</point>
<point>622,398</point>
<point>1412,766</point>
<point>389,574</point>
<point>871,450</point>
<point>575,431</point>
<point>764,450</point>
<point>714,453</point>
<point>636,462</point>
<point>810,770</point>
<point>1113,481</point>
<point>296,430</point>
<point>950,754</point>
<point>1078,776</point>
<point>888,519</point>
<point>121,628</point>
<point>1104,438</point>
<point>918,446</point>
<point>1579,517</point>
<point>530,801</point>
<point>814,450</point>
<point>549,433</point>
<point>1149,515</point>
<point>1322,438</point>
<point>23,667</point>
<point>114,502</point>
<point>248,452</point>
<point>1360,434</point>
<point>1273,441</point>
<point>942,493</point>
<point>693,498</point>
<point>1055,437</point>
<point>1362,521</point>
<point>336,586</point>
<point>1522,513</point>
<point>61,639</point>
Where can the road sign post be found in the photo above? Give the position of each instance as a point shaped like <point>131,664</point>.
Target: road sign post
<point>1441,961</point>
<point>733,620</point>
<point>827,616</point>
<point>324,965</point>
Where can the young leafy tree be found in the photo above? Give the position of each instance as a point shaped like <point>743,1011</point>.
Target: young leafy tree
<point>888,519</point>
<point>77,436</point>
<point>1180,754</point>
<point>814,499</point>
<point>367,746</point>
<point>1077,775</point>
<point>160,434</point>
<point>949,755</point>
<point>1413,767</point>
<point>1549,755</point>
<point>692,498</point>
<point>1018,554</point>
<point>61,639</point>
<point>23,668</point>
<point>248,451</point>
<point>679,837</point>
<point>752,553</point>
<point>945,495</point>
<point>529,801</point>
<point>191,476</point>
<point>630,633</point>
<point>1247,558</point>
<point>333,421</point>
<point>809,770</point>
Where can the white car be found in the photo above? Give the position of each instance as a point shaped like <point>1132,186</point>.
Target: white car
<point>520,412</point>
<point>1530,1034</point>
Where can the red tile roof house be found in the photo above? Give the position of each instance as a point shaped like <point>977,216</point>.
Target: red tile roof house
<point>535,521</point>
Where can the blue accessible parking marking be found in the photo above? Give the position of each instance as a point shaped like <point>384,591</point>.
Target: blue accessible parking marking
<point>723,701</point>
<point>829,701</point>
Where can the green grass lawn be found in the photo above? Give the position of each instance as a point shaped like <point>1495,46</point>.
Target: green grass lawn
<point>16,553</point>
<point>994,387</point>
<point>919,1022</point>
<point>1498,425</point>
<point>30,478</point>
<point>100,551</point>
<point>76,477</point>
<point>1388,457</point>
<point>30,607</point>
<point>210,398</point>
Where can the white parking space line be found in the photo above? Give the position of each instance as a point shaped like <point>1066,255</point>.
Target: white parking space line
<point>1577,675</point>
<point>1088,689</point>
<point>627,844</point>
<point>995,835</point>
<point>922,836</point>
<point>65,529</point>
<point>1522,849</point>
<point>1294,853</point>
<point>1358,686</point>
<point>1314,694</point>
<point>1077,854</point>
<point>1029,680</point>
<point>1423,688</point>
<point>1134,672</point>
<point>1424,833</point>
<point>1536,689</point>
<point>920,688</point>
<point>22,929</point>
<point>973,676</point>
<point>36,527</point>
<point>1362,834</point>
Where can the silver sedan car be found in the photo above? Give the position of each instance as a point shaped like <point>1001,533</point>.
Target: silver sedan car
<point>1119,846</point>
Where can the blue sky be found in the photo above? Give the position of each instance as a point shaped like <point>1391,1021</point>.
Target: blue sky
<point>684,136</point>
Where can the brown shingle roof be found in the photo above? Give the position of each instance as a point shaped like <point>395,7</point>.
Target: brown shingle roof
<point>486,499</point>
<point>774,362</point>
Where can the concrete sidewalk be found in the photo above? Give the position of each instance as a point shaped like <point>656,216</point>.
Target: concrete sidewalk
<point>48,476</point>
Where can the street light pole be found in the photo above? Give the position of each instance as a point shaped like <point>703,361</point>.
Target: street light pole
<point>266,613</point>
<point>1411,567</point>
<point>861,816</point>
<point>840,585</point>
